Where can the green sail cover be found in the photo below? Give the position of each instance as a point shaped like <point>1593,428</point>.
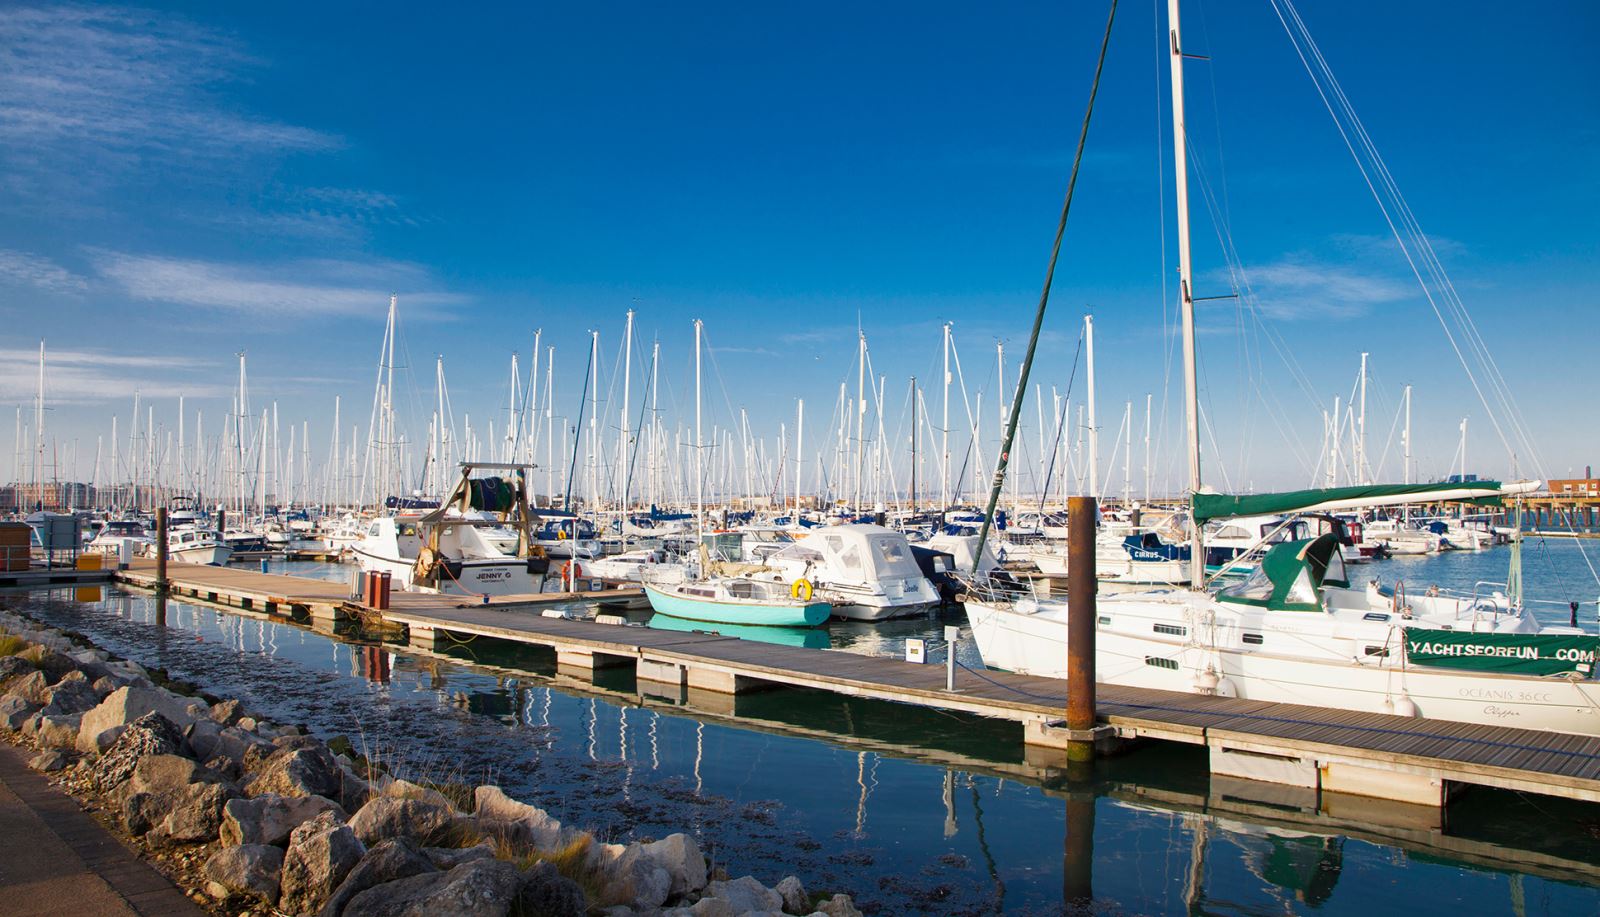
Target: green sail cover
<point>1520,654</point>
<point>1222,506</point>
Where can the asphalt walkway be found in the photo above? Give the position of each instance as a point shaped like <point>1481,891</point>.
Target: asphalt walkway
<point>57,860</point>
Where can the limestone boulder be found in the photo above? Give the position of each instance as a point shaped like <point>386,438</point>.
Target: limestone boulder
<point>12,667</point>
<point>388,861</point>
<point>321,854</point>
<point>680,856</point>
<point>227,712</point>
<point>48,762</point>
<point>793,893</point>
<point>126,705</point>
<point>405,789</point>
<point>59,732</point>
<point>270,818</point>
<point>174,800</point>
<point>450,857</point>
<point>745,894</point>
<point>840,905</point>
<point>71,695</point>
<point>250,871</point>
<point>513,821</point>
<point>151,734</point>
<point>15,710</point>
<point>309,770</point>
<point>33,687</point>
<point>481,888</point>
<point>547,893</point>
<point>385,817</point>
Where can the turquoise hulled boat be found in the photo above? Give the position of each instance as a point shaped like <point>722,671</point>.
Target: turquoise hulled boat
<point>736,600</point>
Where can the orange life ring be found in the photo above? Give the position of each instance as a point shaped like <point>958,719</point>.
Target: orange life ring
<point>571,570</point>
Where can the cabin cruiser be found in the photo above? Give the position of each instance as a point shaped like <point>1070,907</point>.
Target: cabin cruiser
<point>111,536</point>
<point>562,534</point>
<point>633,566</point>
<point>1399,538</point>
<point>436,552</point>
<point>197,544</point>
<point>867,571</point>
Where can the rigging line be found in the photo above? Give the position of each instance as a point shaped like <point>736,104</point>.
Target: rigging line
<point>572,466</point>
<point>1061,423</point>
<point>1044,299</point>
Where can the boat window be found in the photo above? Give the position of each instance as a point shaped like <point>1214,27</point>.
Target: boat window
<point>836,543</point>
<point>373,532</point>
<point>1234,532</point>
<point>1170,629</point>
<point>851,558</point>
<point>1302,593</point>
<point>1104,619</point>
<point>1252,639</point>
<point>1377,651</point>
<point>1160,663</point>
<point>1335,575</point>
<point>1258,588</point>
<point>409,530</point>
<point>891,550</point>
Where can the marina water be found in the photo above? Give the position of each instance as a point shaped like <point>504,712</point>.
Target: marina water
<point>910,810</point>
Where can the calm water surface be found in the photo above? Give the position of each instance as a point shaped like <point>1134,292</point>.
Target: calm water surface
<point>912,811</point>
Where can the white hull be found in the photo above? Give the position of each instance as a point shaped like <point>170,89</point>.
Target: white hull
<point>1037,645</point>
<point>213,555</point>
<point>477,576</point>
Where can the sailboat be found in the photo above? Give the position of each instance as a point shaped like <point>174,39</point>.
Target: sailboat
<point>1298,630</point>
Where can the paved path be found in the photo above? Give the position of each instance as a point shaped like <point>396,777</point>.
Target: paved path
<point>57,860</point>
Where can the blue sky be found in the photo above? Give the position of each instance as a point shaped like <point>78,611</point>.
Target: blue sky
<point>181,182</point>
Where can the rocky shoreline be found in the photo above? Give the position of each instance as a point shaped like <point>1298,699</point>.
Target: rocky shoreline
<point>250,817</point>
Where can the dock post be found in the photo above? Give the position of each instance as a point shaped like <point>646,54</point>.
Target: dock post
<point>1080,628</point>
<point>161,549</point>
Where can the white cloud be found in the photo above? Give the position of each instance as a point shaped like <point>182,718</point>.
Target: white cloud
<point>93,376</point>
<point>1298,287</point>
<point>299,288</point>
<point>38,272</point>
<point>84,89</point>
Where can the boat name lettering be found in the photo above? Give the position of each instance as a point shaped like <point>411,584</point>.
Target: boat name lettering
<point>1499,712</point>
<point>1565,654</point>
<point>1531,697</point>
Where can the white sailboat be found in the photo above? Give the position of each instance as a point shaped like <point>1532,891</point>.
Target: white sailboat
<point>1298,630</point>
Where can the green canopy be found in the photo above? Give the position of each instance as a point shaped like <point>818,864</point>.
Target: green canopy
<point>1290,575</point>
<point>1222,506</point>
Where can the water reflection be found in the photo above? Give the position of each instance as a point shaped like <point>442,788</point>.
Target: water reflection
<point>915,811</point>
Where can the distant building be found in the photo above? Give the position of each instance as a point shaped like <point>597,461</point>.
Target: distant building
<point>1575,487</point>
<point>52,496</point>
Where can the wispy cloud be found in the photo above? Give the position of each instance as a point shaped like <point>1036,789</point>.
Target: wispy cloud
<point>1301,287</point>
<point>301,288</point>
<point>93,376</point>
<point>86,90</point>
<point>40,273</point>
<point>322,213</point>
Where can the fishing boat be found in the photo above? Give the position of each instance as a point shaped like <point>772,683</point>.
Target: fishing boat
<point>1298,630</point>
<point>741,600</point>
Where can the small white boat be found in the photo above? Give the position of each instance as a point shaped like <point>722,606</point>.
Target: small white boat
<point>193,544</point>
<point>867,572</point>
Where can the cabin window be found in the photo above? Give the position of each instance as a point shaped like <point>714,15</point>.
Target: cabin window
<point>1236,532</point>
<point>851,559</point>
<point>373,532</point>
<point>1377,651</point>
<point>1104,619</point>
<point>409,530</point>
<point>1375,616</point>
<point>1170,629</point>
<point>835,543</point>
<point>891,551</point>
<point>1302,592</point>
<point>1252,639</point>
<point>1258,588</point>
<point>1160,663</point>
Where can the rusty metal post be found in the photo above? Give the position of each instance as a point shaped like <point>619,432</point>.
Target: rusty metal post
<point>1077,858</point>
<point>1080,623</point>
<point>161,549</point>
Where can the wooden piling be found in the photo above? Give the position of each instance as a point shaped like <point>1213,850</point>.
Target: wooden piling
<point>162,583</point>
<point>1080,624</point>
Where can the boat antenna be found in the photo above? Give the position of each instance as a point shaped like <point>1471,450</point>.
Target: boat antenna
<point>1044,299</point>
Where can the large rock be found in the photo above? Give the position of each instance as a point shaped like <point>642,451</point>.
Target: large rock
<point>55,665</point>
<point>33,687</point>
<point>151,734</point>
<point>226,712</point>
<point>405,789</point>
<point>71,695</point>
<point>450,857</point>
<point>793,893</point>
<point>271,818</point>
<point>250,871</point>
<point>48,762</point>
<point>309,770</point>
<point>839,905</point>
<point>14,710</point>
<point>57,731</point>
<point>175,800</point>
<point>389,861</point>
<point>680,856</point>
<point>513,821</point>
<point>636,878</point>
<point>13,666</point>
<point>423,822</point>
<point>482,888</point>
<point>745,894</point>
<point>547,893</point>
<point>125,705</point>
<point>321,854</point>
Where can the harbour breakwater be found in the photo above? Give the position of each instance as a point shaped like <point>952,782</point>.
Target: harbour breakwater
<point>244,813</point>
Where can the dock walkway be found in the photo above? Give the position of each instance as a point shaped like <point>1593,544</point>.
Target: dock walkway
<point>1367,754</point>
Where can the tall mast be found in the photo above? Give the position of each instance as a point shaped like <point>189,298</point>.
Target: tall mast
<point>38,435</point>
<point>1147,403</point>
<point>861,413</point>
<point>914,444</point>
<point>799,450</point>
<point>624,445</point>
<point>699,454</point>
<point>944,425</point>
<point>1361,428</point>
<point>1180,139</point>
<point>1094,429</point>
<point>1405,439</point>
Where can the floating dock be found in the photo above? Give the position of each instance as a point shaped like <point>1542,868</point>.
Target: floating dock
<point>1315,749</point>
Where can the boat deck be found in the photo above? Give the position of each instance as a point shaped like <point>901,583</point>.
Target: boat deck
<point>1335,750</point>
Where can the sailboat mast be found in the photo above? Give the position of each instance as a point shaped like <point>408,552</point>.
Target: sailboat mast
<point>1094,428</point>
<point>944,426</point>
<point>699,454</point>
<point>1191,408</point>
<point>1361,429</point>
<point>799,450</point>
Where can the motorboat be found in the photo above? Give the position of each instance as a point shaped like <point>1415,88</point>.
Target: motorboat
<point>867,572</point>
<point>197,544</point>
<point>737,600</point>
